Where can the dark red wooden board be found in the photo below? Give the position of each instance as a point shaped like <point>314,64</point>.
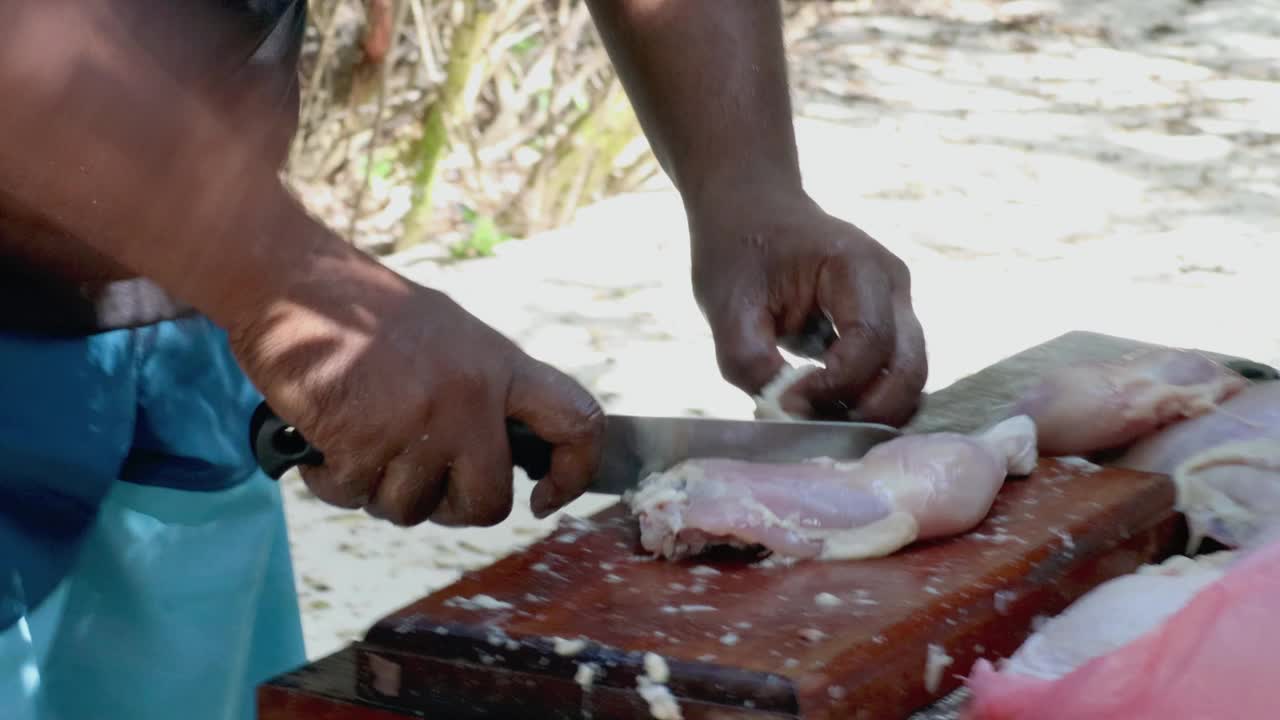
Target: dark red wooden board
<point>1048,539</point>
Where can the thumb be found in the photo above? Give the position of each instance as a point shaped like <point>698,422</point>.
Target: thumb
<point>563,413</point>
<point>747,348</point>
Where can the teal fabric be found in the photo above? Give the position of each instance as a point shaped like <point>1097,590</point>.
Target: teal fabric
<point>144,560</point>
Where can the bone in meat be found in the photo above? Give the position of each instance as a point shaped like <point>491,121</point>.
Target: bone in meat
<point>1086,408</point>
<point>915,487</point>
<point>1226,465</point>
<point>1213,658</point>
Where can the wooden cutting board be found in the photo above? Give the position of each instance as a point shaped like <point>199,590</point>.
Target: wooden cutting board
<point>747,641</point>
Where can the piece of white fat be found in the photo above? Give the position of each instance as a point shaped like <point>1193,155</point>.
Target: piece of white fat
<point>1002,600</point>
<point>673,609</point>
<point>569,647</point>
<point>479,602</point>
<point>826,599</point>
<point>812,634</point>
<point>876,539</point>
<point>1079,463</point>
<point>704,570</point>
<point>936,661</point>
<point>662,704</point>
<point>768,405</point>
<point>586,674</point>
<point>729,639</point>
<point>656,668</point>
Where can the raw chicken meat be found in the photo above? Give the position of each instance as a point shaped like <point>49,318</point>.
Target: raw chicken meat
<point>914,487</point>
<point>1226,465</point>
<point>1091,407</point>
<point>1253,414</point>
<point>1231,493</point>
<point>1114,614</point>
<point>1210,659</point>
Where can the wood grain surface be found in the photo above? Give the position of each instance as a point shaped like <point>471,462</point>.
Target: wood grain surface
<point>753,638</point>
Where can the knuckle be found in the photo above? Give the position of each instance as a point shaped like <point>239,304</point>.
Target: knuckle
<point>582,419</point>
<point>468,384</point>
<point>870,334</point>
<point>897,269</point>
<point>915,377</point>
<point>748,369</point>
<point>590,425</point>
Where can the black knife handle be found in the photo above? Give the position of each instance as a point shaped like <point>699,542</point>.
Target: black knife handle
<point>278,446</point>
<point>1256,372</point>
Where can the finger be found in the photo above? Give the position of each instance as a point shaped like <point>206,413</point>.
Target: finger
<point>861,309</point>
<point>413,484</point>
<point>895,396</point>
<point>477,490</point>
<point>747,347</point>
<point>343,481</point>
<point>563,413</point>
<point>813,339</point>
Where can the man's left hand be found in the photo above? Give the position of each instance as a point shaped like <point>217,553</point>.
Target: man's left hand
<point>765,264</point>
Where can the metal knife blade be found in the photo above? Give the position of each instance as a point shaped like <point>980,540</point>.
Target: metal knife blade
<point>634,446</point>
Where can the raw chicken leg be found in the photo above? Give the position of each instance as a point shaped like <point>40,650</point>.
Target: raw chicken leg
<point>1086,408</point>
<point>1213,658</point>
<point>1226,465</point>
<point>915,487</point>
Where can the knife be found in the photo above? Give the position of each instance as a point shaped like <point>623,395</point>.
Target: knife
<point>634,446</point>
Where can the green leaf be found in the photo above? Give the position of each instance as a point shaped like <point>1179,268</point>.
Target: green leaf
<point>530,43</point>
<point>485,236</point>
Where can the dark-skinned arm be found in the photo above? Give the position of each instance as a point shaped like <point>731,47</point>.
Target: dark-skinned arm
<point>118,132</point>
<point>128,125</point>
<point>708,82</point>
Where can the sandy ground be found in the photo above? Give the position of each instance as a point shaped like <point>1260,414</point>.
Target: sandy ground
<point>1041,167</point>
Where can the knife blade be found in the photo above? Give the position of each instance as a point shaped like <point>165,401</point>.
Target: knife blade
<point>634,446</point>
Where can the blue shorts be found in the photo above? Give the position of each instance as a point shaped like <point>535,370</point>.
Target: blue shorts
<point>144,560</point>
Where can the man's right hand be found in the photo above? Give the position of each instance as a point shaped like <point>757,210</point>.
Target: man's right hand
<point>407,395</point>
